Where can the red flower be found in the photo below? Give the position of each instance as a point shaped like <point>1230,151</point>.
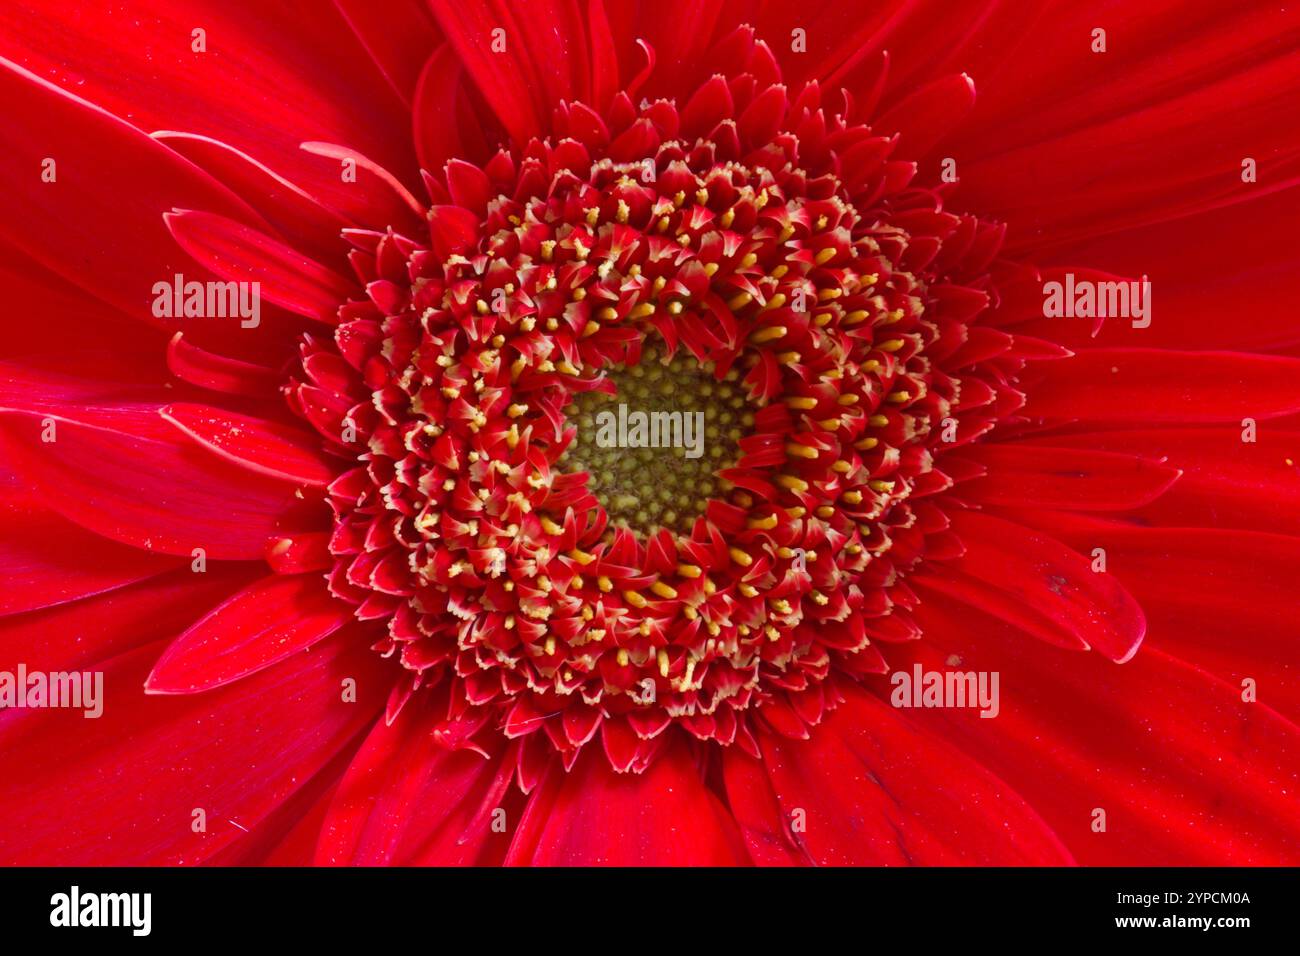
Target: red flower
<point>908,463</point>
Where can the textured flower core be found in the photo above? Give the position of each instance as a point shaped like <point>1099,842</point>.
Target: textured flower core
<point>662,468</point>
<point>745,257</point>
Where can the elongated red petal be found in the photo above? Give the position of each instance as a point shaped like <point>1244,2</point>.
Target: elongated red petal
<point>1045,576</point>
<point>256,741</point>
<point>141,482</point>
<point>46,560</point>
<point>301,218</point>
<point>1041,476</point>
<point>925,116</point>
<point>1157,387</point>
<point>264,83</point>
<point>218,372</point>
<point>1226,481</point>
<point>81,137</point>
<point>1184,770</point>
<point>93,629</point>
<point>871,789</point>
<point>398,36</point>
<point>261,446</point>
<point>405,794</point>
<point>266,622</point>
<point>241,254</point>
<point>594,816</point>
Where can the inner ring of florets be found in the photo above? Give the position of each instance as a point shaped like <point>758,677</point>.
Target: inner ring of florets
<point>514,557</point>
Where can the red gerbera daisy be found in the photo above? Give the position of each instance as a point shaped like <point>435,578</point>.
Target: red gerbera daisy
<point>374,324</point>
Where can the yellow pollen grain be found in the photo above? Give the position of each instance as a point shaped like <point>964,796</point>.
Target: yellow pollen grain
<point>740,557</point>
<point>663,590</point>
<point>768,334</point>
<point>795,450</point>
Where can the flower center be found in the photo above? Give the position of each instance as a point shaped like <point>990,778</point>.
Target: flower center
<point>646,435</point>
<point>653,449</point>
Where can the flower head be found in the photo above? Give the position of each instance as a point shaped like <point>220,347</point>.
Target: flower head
<point>720,257</point>
<point>649,488</point>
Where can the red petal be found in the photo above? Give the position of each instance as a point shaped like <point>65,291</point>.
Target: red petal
<point>1043,575</point>
<point>762,822</point>
<point>236,252</point>
<point>266,622</point>
<point>540,62</point>
<point>1226,482</point>
<point>93,629</point>
<point>261,446</point>
<point>46,560</point>
<point>404,794</point>
<point>217,372</point>
<point>1117,385</point>
<point>869,788</point>
<point>594,816</point>
<point>926,116</point>
<point>398,36</point>
<point>236,754</point>
<point>266,82</point>
<point>141,482</point>
<point>1186,772</point>
<point>308,225</point>
<point>1039,476</point>
<point>149,180</point>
